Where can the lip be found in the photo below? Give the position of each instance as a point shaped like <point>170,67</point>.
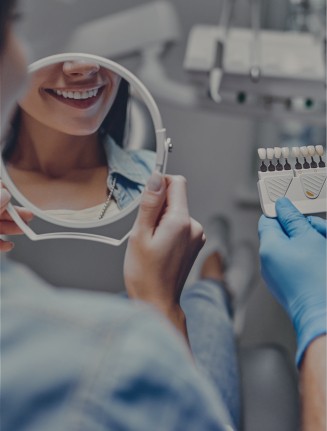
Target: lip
<point>76,103</point>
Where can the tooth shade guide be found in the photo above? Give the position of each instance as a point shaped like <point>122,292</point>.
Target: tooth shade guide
<point>263,167</point>
<point>311,150</point>
<point>270,153</point>
<point>304,184</point>
<point>262,152</point>
<point>298,164</point>
<point>306,164</point>
<point>285,152</point>
<point>296,152</point>
<point>279,166</point>
<point>320,150</point>
<point>277,152</point>
<point>287,166</point>
<point>313,163</point>
<point>304,151</point>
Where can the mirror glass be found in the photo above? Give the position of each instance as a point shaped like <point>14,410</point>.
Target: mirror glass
<point>82,142</point>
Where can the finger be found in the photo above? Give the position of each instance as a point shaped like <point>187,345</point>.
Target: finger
<point>151,204</point>
<point>177,195</point>
<point>25,214</point>
<point>319,224</point>
<point>197,233</point>
<point>9,228</point>
<point>269,228</point>
<point>293,222</point>
<point>4,199</point>
<point>197,242</point>
<point>6,246</point>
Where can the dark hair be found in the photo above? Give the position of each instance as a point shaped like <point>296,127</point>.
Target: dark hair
<point>114,123</point>
<point>6,9</point>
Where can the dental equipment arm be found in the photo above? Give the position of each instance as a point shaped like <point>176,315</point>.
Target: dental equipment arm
<point>217,71</point>
<point>255,69</point>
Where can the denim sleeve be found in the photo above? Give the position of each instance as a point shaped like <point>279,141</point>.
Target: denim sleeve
<point>150,384</point>
<point>81,361</point>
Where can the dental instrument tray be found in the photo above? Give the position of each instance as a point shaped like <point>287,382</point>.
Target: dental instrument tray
<point>301,181</point>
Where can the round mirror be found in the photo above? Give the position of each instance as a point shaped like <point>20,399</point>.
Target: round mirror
<point>83,141</point>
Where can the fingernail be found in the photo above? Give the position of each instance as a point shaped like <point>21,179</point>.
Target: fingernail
<point>9,247</point>
<point>154,182</point>
<point>4,197</point>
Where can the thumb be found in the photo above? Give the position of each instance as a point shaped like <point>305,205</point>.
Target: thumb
<point>152,202</point>
<point>4,199</point>
<point>293,222</point>
<point>319,224</point>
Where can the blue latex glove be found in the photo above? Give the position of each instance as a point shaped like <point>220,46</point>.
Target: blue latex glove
<point>293,264</point>
<point>319,224</point>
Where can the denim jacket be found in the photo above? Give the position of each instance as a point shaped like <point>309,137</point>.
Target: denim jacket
<point>85,361</point>
<point>131,169</point>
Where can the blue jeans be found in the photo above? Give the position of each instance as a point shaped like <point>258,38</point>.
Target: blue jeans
<point>212,339</point>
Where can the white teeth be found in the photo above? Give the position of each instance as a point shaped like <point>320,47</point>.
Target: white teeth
<point>285,152</point>
<point>277,152</point>
<point>295,151</point>
<point>270,153</point>
<point>304,151</point>
<point>77,95</point>
<point>311,150</point>
<point>262,153</point>
<point>320,150</point>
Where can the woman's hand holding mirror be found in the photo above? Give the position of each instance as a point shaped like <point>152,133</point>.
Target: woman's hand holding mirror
<point>7,225</point>
<point>162,247</point>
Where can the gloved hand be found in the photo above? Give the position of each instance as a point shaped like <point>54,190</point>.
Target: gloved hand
<point>293,264</point>
<point>319,224</point>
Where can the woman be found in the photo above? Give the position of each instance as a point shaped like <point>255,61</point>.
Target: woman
<point>90,361</point>
<point>64,152</point>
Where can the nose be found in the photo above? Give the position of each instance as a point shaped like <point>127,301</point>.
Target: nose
<point>80,69</point>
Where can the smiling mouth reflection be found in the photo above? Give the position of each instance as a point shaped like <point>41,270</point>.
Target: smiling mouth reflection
<point>80,99</point>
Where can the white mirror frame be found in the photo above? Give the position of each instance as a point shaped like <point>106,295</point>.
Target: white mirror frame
<point>163,146</point>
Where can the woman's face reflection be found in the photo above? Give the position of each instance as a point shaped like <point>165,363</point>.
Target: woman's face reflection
<point>72,97</point>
